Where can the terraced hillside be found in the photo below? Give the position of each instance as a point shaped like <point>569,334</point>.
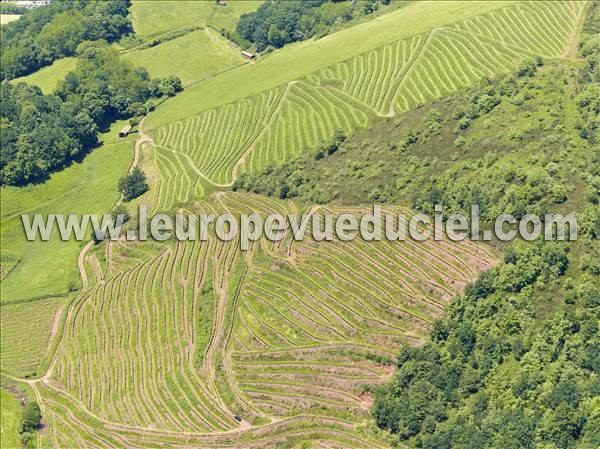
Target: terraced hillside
<point>167,343</point>
<point>177,338</point>
<point>383,81</point>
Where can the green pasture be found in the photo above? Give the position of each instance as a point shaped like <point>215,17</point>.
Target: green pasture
<point>192,57</point>
<point>47,78</point>
<point>50,268</point>
<point>10,417</point>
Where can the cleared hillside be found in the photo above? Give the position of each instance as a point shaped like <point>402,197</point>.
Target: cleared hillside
<point>381,80</point>
<point>183,336</point>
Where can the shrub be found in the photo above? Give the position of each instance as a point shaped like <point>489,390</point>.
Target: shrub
<point>31,418</point>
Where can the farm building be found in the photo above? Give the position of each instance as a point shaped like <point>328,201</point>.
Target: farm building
<point>125,131</point>
<point>248,55</point>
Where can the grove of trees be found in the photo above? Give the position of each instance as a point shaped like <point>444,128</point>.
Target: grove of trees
<point>43,35</point>
<point>31,420</point>
<point>276,22</point>
<point>43,133</point>
<point>133,185</point>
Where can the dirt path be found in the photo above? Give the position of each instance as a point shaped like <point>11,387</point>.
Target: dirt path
<point>55,323</point>
<point>571,50</point>
<point>141,139</point>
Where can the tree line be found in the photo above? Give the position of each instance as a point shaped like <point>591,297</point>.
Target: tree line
<point>31,422</point>
<point>276,23</point>
<point>43,35</point>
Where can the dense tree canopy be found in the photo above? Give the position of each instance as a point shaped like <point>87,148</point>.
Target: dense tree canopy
<point>11,8</point>
<point>490,377</point>
<point>31,420</point>
<point>43,35</point>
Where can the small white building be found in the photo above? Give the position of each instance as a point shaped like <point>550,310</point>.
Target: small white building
<point>29,4</point>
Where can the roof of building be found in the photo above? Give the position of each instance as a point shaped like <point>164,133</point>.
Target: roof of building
<point>125,129</point>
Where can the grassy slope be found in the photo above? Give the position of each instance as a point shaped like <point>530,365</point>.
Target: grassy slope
<point>88,187</point>
<point>152,18</point>
<point>10,414</point>
<point>48,78</point>
<point>300,59</point>
<point>279,123</point>
<point>191,57</point>
<point>226,17</point>
<point>268,59</point>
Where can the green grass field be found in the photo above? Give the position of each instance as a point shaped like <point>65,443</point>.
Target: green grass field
<point>153,18</point>
<point>48,78</point>
<point>194,56</point>
<point>191,57</point>
<point>226,17</point>
<point>7,18</point>
<point>10,417</point>
<point>50,268</point>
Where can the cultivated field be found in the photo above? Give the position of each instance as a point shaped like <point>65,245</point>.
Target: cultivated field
<point>256,130</point>
<point>23,347</point>
<point>177,338</point>
<point>191,57</point>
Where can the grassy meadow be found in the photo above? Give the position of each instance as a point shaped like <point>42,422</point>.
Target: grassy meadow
<point>48,78</point>
<point>10,417</point>
<point>191,57</point>
<point>153,18</point>
<point>7,18</point>
<point>226,17</point>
